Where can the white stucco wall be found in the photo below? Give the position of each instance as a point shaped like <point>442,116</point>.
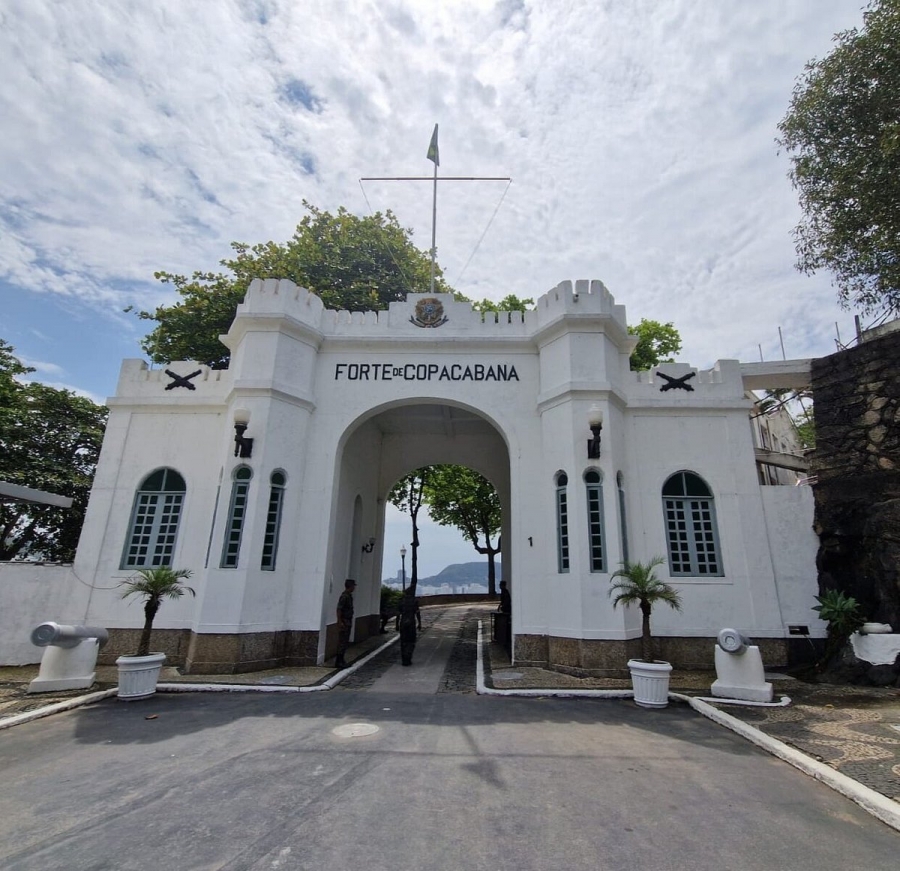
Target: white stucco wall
<point>31,594</point>
<point>793,545</point>
<point>344,404</point>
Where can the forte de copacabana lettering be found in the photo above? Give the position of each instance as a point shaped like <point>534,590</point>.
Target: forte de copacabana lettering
<point>424,372</point>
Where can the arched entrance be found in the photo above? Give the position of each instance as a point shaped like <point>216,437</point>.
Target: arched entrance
<point>379,447</point>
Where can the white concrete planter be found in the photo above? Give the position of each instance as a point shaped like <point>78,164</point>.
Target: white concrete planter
<point>138,675</point>
<point>650,681</point>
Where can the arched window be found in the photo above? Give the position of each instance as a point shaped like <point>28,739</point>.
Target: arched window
<point>562,523</point>
<point>593,484</point>
<point>154,521</point>
<point>273,521</point>
<point>623,521</point>
<point>690,516</point>
<point>237,512</point>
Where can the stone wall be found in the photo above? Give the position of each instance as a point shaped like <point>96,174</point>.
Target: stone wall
<point>857,461</point>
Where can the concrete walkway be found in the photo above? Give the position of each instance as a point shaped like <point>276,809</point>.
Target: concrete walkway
<point>430,657</point>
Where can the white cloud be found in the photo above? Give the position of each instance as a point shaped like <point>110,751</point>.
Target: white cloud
<point>640,139</point>
<point>639,136</point>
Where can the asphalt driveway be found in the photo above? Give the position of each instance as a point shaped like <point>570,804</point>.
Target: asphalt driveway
<point>436,781</point>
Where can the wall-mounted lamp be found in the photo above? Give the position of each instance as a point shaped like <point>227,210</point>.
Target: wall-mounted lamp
<point>243,447</point>
<point>595,422</point>
<point>368,546</point>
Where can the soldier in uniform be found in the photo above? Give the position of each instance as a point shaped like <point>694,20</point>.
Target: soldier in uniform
<point>503,619</point>
<point>408,620</point>
<point>344,621</point>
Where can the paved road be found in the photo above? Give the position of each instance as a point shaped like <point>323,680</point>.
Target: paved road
<point>449,780</point>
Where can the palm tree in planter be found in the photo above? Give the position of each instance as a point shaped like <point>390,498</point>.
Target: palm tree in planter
<point>139,673</point>
<point>637,584</point>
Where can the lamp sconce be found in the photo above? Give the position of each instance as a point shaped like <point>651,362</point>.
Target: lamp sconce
<point>369,546</point>
<point>595,422</point>
<point>243,447</point>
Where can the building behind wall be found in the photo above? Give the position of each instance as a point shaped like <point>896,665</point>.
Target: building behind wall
<point>339,406</point>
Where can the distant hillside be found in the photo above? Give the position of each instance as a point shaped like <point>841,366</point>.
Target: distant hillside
<point>458,574</point>
<point>462,573</point>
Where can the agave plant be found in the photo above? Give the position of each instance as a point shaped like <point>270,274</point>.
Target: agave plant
<point>154,585</point>
<point>843,617</point>
<point>637,584</point>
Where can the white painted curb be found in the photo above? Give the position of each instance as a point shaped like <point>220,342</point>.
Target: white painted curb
<point>56,708</point>
<point>70,704</point>
<point>878,805</point>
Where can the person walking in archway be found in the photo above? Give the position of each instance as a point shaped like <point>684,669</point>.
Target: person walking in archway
<point>408,620</point>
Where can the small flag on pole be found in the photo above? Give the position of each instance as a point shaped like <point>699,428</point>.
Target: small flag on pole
<point>433,155</point>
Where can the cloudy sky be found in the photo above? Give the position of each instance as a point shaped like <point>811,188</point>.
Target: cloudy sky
<point>640,138</point>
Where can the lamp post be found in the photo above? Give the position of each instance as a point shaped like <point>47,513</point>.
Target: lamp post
<point>403,566</point>
<point>595,423</point>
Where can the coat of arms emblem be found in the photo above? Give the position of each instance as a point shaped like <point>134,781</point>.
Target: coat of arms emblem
<point>429,313</point>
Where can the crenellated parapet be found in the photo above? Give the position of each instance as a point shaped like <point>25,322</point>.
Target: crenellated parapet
<point>680,383</point>
<point>423,315</point>
<point>580,297</point>
<point>183,380</point>
<point>281,296</point>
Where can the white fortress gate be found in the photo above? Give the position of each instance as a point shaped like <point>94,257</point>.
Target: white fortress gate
<point>339,406</point>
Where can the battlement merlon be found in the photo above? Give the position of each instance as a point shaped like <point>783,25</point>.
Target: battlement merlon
<point>582,306</point>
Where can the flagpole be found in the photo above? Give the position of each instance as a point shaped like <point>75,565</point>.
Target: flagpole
<point>434,226</point>
<point>434,156</point>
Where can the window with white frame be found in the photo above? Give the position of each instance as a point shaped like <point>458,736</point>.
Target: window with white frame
<point>691,532</point>
<point>562,523</point>
<point>273,521</point>
<point>154,521</point>
<point>237,512</point>
<point>593,484</point>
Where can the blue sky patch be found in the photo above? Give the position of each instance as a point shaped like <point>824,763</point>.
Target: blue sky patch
<point>298,93</point>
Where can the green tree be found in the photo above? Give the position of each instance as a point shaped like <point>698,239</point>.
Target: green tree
<point>637,584</point>
<point>510,303</point>
<point>656,344</point>
<point>460,497</point>
<point>49,440</point>
<point>350,262</point>
<point>408,496</point>
<point>842,614</point>
<point>805,423</point>
<point>154,585</point>
<point>842,131</point>
<point>10,369</point>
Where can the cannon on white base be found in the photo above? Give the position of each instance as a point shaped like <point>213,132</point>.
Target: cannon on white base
<point>739,669</point>
<point>70,656</point>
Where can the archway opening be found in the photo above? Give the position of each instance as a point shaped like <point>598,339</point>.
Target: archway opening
<point>446,497</point>
<point>381,447</point>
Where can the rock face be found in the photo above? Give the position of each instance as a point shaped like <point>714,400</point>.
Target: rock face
<point>857,461</point>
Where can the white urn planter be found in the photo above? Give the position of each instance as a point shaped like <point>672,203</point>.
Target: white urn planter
<point>138,675</point>
<point>650,681</point>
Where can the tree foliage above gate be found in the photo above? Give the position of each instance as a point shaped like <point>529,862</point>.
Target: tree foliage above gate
<point>352,263</point>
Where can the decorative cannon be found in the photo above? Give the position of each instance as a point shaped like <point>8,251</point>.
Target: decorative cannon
<point>739,669</point>
<point>70,656</point>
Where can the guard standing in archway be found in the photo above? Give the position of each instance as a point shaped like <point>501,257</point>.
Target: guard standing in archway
<point>344,621</point>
